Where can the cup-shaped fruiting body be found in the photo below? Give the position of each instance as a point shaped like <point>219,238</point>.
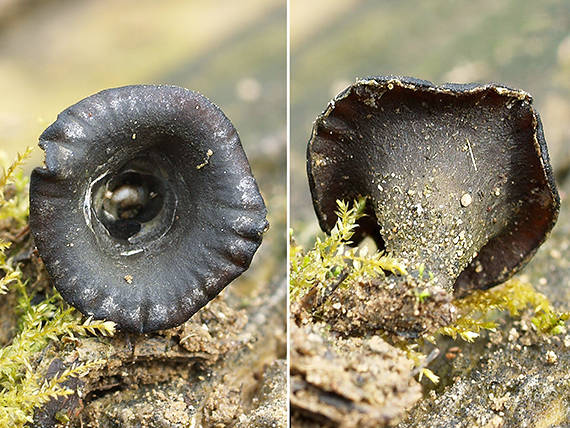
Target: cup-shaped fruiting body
<point>146,208</point>
<point>457,176</point>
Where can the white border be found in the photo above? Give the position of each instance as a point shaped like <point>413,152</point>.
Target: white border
<point>288,145</point>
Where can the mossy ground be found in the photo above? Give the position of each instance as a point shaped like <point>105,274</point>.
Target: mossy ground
<point>343,298</point>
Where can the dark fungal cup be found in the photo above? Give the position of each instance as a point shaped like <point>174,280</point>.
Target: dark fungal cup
<point>146,208</point>
<point>457,176</point>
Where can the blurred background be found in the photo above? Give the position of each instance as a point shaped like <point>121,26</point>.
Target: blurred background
<point>54,53</point>
<point>521,43</point>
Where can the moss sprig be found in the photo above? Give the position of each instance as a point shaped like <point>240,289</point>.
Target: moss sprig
<point>418,358</point>
<point>24,388</point>
<point>514,296</point>
<point>15,206</point>
<point>332,255</point>
<point>12,275</point>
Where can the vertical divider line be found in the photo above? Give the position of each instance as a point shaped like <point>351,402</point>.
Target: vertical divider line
<point>288,205</point>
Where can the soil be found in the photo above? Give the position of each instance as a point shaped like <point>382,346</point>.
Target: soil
<point>348,382</point>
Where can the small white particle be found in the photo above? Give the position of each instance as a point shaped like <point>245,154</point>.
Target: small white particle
<point>466,200</point>
<point>551,357</point>
<point>197,293</point>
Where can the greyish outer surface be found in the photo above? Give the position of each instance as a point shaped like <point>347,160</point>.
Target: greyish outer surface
<point>518,378</point>
<point>417,151</point>
<point>219,216</point>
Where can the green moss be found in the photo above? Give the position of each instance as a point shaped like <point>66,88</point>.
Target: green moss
<point>23,388</point>
<point>13,181</point>
<point>477,310</point>
<point>331,256</point>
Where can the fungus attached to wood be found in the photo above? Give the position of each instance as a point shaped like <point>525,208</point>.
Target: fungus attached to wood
<point>457,176</point>
<point>146,208</point>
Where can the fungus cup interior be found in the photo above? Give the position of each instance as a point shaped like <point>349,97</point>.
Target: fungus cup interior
<point>457,176</point>
<point>135,204</point>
